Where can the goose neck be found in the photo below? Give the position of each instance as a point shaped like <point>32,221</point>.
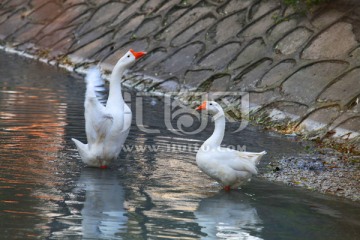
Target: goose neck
<point>115,96</point>
<point>218,134</point>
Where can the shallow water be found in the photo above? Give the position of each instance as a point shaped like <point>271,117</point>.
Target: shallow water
<point>154,191</point>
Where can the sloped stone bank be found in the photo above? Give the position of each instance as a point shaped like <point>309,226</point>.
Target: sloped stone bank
<point>298,69</point>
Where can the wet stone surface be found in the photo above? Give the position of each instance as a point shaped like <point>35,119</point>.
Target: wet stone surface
<point>308,56</point>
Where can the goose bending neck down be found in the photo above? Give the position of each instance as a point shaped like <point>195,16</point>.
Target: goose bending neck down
<point>229,167</point>
<point>107,127</point>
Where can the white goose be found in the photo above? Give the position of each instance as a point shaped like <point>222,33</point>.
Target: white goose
<point>106,127</point>
<point>229,167</point>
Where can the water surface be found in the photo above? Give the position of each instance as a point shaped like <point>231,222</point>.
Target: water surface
<point>149,193</point>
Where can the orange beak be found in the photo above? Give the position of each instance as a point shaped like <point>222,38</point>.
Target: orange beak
<point>202,106</point>
<point>137,55</point>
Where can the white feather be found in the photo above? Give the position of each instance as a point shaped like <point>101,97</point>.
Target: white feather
<point>227,166</point>
<point>107,127</point>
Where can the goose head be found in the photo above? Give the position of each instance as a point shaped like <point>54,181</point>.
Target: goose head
<point>130,57</point>
<point>124,63</point>
<point>211,107</point>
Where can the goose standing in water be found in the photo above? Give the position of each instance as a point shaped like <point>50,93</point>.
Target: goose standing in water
<point>107,127</point>
<point>229,167</point>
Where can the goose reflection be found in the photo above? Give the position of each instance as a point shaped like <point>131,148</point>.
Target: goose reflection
<point>103,213</point>
<point>228,215</point>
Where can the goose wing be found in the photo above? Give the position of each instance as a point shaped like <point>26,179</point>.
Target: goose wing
<point>238,160</point>
<point>98,121</point>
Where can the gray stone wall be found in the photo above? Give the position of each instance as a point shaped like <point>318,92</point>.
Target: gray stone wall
<point>302,71</point>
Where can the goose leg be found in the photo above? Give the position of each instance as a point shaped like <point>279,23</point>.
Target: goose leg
<point>101,165</point>
<point>227,188</point>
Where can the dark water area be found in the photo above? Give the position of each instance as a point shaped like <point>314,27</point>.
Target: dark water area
<point>154,190</point>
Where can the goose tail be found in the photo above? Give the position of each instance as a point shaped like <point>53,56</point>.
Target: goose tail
<point>82,148</point>
<point>258,157</point>
<point>253,157</point>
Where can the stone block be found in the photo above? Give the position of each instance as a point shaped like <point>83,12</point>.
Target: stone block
<point>51,41</point>
<point>171,85</point>
<point>234,5</point>
<point>102,16</point>
<point>344,89</point>
<point>277,73</point>
<point>195,78</point>
<point>71,16</point>
<point>182,59</point>
<point>334,42</point>
<point>220,57</point>
<point>220,83</point>
<point>89,37</point>
<point>280,29</point>
<point>28,33</point>
<point>148,26</point>
<point>319,118</point>
<point>151,6</point>
<point>307,82</point>
<point>227,27</point>
<point>261,8</point>
<point>282,110</point>
<point>349,128</point>
<point>127,12</point>
<point>251,75</point>
<point>216,83</point>
<point>249,54</point>
<point>192,31</point>
<point>258,27</point>
<point>293,41</point>
<point>87,50</point>
<point>183,23</point>
<point>45,12</point>
<point>13,23</point>
<point>326,18</point>
<point>128,28</point>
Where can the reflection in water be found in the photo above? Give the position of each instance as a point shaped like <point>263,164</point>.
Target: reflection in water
<point>103,212</point>
<point>32,133</point>
<point>228,215</point>
<point>163,190</point>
